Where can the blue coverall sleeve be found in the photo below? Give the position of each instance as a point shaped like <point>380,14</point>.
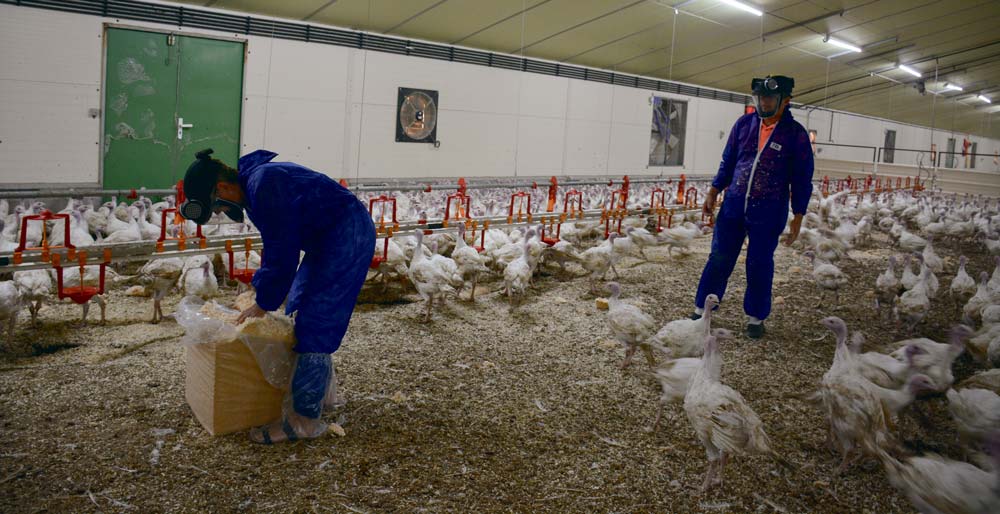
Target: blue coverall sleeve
<point>729,155</point>
<point>274,209</point>
<point>802,173</point>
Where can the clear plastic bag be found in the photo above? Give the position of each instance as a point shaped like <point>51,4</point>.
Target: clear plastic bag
<point>274,357</point>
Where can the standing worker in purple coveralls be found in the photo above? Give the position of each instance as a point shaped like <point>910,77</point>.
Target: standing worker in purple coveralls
<point>767,161</point>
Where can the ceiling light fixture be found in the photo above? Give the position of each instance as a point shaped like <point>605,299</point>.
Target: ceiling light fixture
<point>841,44</point>
<point>952,87</point>
<point>910,70</point>
<point>983,98</point>
<point>744,7</point>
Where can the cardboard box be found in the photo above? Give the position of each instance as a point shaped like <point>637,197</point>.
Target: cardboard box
<point>224,384</point>
<point>226,389</point>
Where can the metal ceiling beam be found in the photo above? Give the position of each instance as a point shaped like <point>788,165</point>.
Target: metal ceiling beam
<point>574,27</point>
<point>320,9</point>
<point>498,22</point>
<point>415,16</point>
<point>802,23</point>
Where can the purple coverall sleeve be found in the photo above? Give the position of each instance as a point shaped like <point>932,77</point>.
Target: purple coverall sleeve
<point>729,155</point>
<point>802,173</point>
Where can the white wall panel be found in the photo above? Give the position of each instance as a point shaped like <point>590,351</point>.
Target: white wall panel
<point>49,46</point>
<point>540,146</point>
<point>46,135</point>
<point>307,71</point>
<point>300,131</point>
<point>587,147</point>
<point>543,96</point>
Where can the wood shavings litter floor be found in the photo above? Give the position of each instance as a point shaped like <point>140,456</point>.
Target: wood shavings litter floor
<point>484,409</point>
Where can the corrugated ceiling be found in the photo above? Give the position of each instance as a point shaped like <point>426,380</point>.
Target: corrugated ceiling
<point>712,44</point>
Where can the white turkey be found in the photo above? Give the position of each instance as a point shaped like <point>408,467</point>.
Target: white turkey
<point>642,239</point>
<point>931,259</point>
<point>630,326</point>
<point>679,238</point>
<point>976,413</point>
<point>988,379</point>
<point>675,375</point>
<point>913,305</point>
<point>686,337</point>
<point>10,305</point>
<point>432,279</point>
<point>35,287</point>
<point>198,278</point>
<point>878,368</point>
<point>723,421</point>
<point>598,260</point>
<point>909,278</point>
<point>517,274</point>
<point>470,262</point>
<point>934,484</point>
<point>886,287</point>
<point>828,277</point>
<point>962,286</point>
<point>935,359</point>
<point>972,310</point>
<point>160,275</point>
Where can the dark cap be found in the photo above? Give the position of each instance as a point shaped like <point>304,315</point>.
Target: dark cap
<point>199,182</point>
<point>772,85</point>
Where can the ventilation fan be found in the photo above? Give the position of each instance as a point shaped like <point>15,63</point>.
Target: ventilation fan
<point>416,115</point>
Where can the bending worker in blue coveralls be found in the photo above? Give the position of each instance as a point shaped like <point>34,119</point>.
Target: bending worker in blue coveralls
<point>295,209</point>
<point>767,159</point>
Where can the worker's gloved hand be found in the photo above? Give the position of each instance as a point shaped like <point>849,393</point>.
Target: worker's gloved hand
<point>251,312</point>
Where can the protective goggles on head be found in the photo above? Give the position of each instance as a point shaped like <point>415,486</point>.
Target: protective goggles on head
<point>777,87</point>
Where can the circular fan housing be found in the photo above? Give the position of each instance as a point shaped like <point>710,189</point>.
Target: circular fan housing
<point>416,116</point>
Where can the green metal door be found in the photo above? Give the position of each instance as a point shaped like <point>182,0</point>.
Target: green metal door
<point>140,98</point>
<point>211,97</point>
<point>166,97</point>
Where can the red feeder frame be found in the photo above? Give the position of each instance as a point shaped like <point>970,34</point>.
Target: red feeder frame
<point>45,215</point>
<point>553,189</point>
<point>520,197</point>
<point>80,294</point>
<point>617,209</point>
<point>380,226</point>
<point>680,189</point>
<point>825,187</point>
<point>547,226</point>
<point>462,206</point>
<point>658,208</point>
<point>244,275</point>
<point>573,204</point>
<point>691,198</point>
<point>474,225</point>
<point>181,237</point>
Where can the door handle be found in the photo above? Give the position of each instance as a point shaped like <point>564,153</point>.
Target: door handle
<point>181,126</point>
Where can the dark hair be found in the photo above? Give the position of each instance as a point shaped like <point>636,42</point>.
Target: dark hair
<point>226,173</point>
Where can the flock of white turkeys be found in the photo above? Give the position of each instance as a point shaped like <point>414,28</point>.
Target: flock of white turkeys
<point>863,393</point>
<point>860,395</point>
